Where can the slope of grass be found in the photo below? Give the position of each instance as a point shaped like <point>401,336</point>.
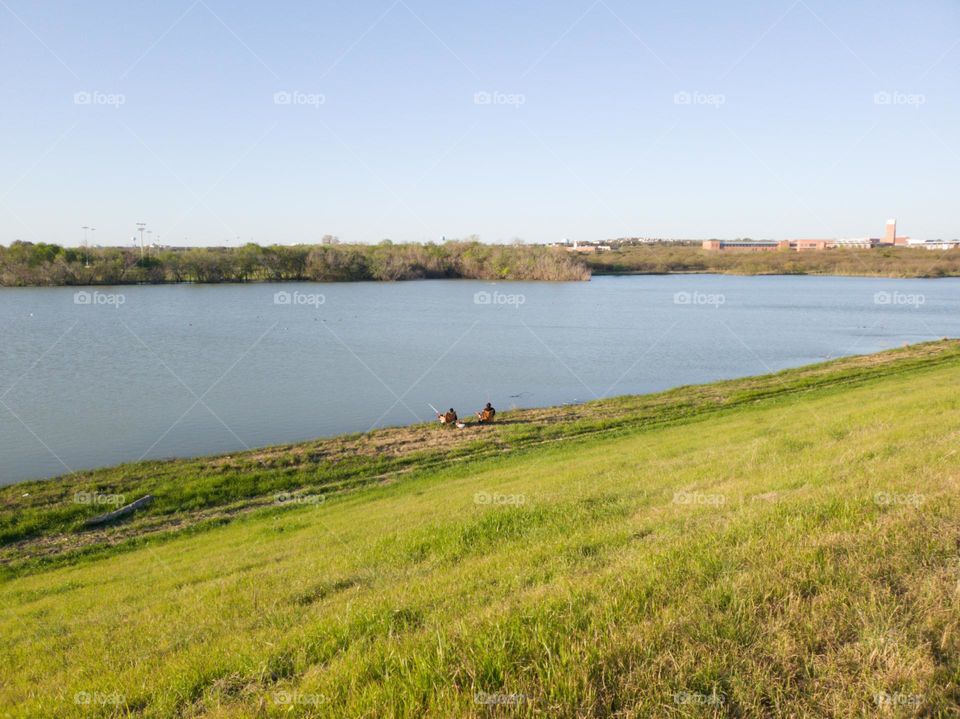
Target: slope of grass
<point>795,554</point>
<point>42,522</point>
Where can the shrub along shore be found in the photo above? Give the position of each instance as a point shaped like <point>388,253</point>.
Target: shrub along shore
<point>27,264</point>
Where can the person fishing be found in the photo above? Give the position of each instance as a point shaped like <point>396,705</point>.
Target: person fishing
<point>448,417</point>
<point>486,415</point>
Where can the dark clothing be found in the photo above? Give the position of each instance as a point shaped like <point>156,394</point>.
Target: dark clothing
<point>487,414</point>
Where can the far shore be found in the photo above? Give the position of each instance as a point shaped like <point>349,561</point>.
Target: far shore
<point>26,264</point>
<point>596,273</point>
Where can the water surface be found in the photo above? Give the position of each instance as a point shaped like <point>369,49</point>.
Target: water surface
<point>183,370</point>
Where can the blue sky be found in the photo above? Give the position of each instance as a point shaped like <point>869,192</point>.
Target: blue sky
<point>417,119</point>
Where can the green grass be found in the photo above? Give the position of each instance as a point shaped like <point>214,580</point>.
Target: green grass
<point>780,546</point>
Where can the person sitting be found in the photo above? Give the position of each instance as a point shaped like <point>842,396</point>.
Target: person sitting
<point>486,415</point>
<point>449,417</point>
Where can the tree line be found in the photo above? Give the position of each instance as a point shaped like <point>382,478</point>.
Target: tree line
<point>41,264</point>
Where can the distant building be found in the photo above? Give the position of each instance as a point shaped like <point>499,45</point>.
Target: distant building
<point>766,245</point>
<point>742,245</point>
<point>805,245</point>
<point>857,243</point>
<point>588,247</point>
<point>890,237</point>
<point>939,245</point>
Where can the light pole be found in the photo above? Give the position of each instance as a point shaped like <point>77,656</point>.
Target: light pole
<point>141,226</point>
<point>86,245</point>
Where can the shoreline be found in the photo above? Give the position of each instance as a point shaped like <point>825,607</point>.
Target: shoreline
<point>720,273</point>
<point>42,520</point>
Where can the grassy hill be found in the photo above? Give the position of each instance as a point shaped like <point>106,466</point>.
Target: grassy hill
<point>784,545</point>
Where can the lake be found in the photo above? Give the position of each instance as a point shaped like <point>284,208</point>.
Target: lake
<point>93,377</point>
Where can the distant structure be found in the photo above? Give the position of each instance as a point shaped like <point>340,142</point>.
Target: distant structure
<point>889,239</point>
<point>745,245</point>
<point>766,245</point>
<point>857,243</point>
<point>583,246</point>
